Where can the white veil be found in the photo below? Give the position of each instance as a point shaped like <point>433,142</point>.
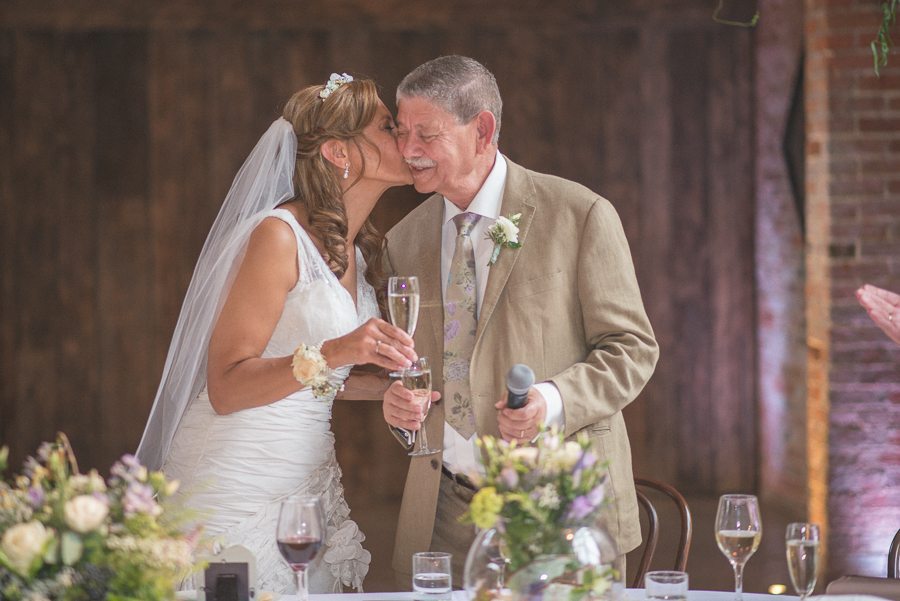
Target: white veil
<point>264,181</point>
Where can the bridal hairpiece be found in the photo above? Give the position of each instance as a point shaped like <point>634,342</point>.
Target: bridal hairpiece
<point>333,83</point>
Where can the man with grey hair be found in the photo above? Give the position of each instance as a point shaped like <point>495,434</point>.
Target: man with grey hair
<point>565,302</point>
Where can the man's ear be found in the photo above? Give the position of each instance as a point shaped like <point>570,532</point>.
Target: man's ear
<point>486,125</point>
<point>335,152</point>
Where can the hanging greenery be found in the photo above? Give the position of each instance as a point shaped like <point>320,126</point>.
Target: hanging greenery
<point>882,43</point>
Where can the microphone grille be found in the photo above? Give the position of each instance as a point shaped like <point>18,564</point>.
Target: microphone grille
<point>520,378</point>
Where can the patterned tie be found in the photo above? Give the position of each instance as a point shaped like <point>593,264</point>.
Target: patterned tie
<point>459,328</point>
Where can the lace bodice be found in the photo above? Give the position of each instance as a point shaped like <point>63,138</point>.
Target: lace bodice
<point>318,308</point>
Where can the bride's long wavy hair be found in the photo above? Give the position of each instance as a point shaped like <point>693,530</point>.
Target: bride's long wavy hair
<point>341,116</point>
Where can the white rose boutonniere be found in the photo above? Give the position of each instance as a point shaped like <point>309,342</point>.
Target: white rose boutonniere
<point>505,234</point>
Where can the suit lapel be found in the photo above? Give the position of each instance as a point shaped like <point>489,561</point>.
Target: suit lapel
<point>517,198</point>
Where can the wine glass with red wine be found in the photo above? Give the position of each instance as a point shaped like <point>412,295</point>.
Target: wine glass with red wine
<point>301,533</point>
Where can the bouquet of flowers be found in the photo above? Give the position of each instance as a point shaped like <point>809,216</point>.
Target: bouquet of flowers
<point>77,537</point>
<point>538,497</point>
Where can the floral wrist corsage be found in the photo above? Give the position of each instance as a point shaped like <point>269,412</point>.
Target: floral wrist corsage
<point>310,369</point>
<point>505,234</point>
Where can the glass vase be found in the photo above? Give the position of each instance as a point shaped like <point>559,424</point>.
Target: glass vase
<point>574,562</point>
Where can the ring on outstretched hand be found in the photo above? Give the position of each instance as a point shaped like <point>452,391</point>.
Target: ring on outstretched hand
<point>521,433</point>
<point>377,347</point>
<point>891,316</point>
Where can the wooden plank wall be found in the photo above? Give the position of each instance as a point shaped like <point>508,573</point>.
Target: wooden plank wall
<point>124,121</point>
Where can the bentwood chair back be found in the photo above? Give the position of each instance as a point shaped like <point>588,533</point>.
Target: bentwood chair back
<point>894,557</point>
<point>651,537</point>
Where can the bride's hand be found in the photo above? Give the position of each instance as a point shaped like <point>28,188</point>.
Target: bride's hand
<point>376,342</point>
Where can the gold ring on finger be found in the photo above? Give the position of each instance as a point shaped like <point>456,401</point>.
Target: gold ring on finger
<point>377,347</point>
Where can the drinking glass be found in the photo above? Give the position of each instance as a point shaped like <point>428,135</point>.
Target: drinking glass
<point>738,532</point>
<point>300,534</point>
<point>666,585</point>
<point>802,547</point>
<point>431,572</point>
<point>403,305</point>
<point>417,378</point>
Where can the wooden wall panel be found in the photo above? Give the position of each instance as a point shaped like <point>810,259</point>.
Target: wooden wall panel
<point>152,107</point>
<point>124,252</point>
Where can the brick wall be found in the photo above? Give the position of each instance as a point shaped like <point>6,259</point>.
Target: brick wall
<point>853,237</point>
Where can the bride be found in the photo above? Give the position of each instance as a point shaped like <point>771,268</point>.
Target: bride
<point>282,303</point>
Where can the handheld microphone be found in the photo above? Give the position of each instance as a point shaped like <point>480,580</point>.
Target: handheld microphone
<point>518,381</point>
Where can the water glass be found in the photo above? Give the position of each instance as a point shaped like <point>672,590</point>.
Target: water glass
<point>802,549</point>
<point>666,585</point>
<point>431,572</point>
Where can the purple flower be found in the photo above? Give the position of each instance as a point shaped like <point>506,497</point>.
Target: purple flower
<point>580,508</point>
<point>139,499</point>
<point>450,308</point>
<point>36,496</point>
<point>587,460</point>
<point>510,477</point>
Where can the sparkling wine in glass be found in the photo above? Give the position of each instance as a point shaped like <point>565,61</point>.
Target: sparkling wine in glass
<point>738,532</point>
<point>301,532</point>
<point>802,547</point>
<point>417,378</point>
<point>403,305</point>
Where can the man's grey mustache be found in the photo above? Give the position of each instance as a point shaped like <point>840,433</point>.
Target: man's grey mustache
<point>420,163</point>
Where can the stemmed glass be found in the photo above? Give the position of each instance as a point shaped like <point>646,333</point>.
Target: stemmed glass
<point>403,305</point>
<point>300,534</point>
<point>738,532</point>
<point>417,378</point>
<point>802,547</point>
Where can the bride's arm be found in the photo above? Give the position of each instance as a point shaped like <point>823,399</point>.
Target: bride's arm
<point>238,377</point>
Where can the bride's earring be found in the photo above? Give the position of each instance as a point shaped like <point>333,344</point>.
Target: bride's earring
<point>346,170</point>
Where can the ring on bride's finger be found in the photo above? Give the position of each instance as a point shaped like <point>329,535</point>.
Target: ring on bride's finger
<point>377,347</point>
<point>891,316</point>
<point>521,433</point>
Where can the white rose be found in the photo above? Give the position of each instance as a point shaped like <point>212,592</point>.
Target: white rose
<point>85,513</point>
<point>527,455</point>
<point>22,543</point>
<point>569,455</point>
<point>509,229</point>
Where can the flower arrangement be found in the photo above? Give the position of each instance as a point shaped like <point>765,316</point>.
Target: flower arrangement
<point>505,234</point>
<point>77,537</point>
<point>538,497</point>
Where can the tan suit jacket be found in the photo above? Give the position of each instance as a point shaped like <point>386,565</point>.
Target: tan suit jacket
<point>566,303</point>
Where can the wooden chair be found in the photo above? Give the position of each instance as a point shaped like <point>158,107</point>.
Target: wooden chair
<point>894,557</point>
<point>652,536</point>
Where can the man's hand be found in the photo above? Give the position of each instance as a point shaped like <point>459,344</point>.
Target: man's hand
<point>522,424</point>
<point>401,409</point>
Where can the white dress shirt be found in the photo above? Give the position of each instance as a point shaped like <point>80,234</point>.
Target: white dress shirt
<point>460,454</point>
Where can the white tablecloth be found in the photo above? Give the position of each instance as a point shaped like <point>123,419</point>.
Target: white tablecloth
<point>632,595</point>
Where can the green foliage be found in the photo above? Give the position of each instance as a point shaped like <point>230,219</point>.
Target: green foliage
<point>882,43</point>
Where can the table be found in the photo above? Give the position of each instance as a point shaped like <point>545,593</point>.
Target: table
<point>632,594</point>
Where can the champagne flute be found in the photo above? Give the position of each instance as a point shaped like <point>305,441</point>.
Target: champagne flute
<point>300,534</point>
<point>403,305</point>
<point>738,532</point>
<point>417,378</point>
<point>802,547</point>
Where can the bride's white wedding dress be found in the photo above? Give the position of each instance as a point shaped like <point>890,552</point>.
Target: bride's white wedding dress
<point>235,469</point>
